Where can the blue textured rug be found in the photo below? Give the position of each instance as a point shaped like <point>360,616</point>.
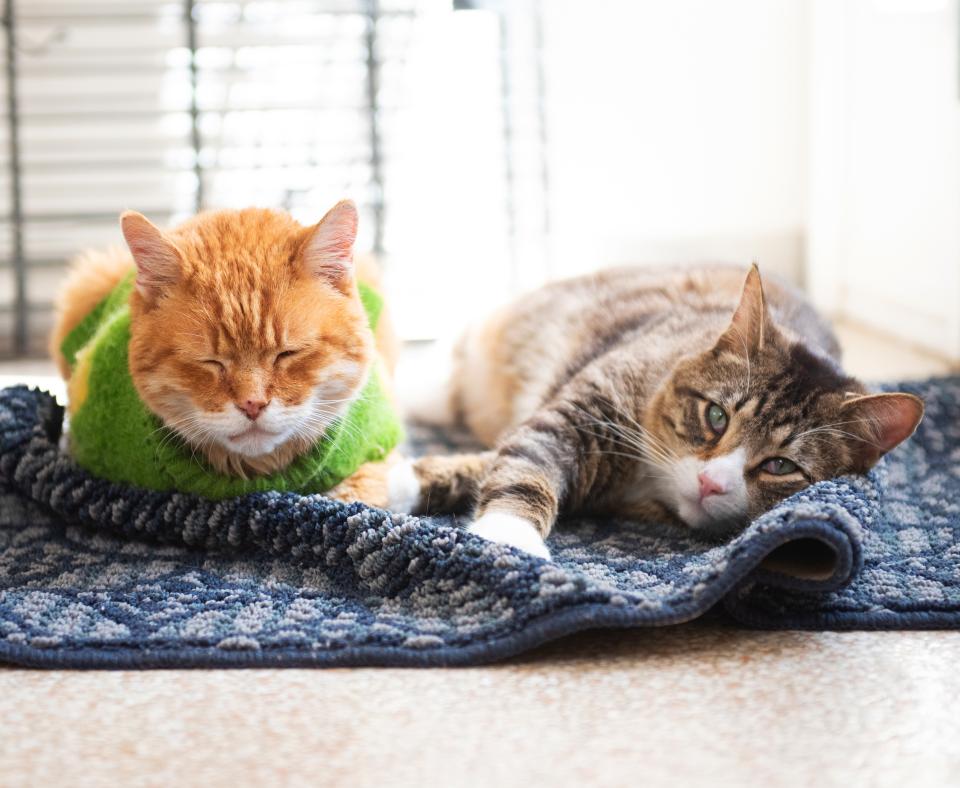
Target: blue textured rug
<point>96,575</point>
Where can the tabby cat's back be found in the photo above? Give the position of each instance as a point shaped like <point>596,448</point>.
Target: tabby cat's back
<point>508,363</point>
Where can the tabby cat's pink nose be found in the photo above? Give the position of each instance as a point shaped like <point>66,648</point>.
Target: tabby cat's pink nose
<point>709,485</point>
<point>252,408</point>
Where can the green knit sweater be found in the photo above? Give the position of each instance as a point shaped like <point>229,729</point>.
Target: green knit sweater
<point>113,434</point>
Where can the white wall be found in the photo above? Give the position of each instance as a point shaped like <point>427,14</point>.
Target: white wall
<point>676,131</point>
<point>885,176</point>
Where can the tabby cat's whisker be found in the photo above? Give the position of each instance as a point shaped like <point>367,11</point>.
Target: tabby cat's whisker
<point>640,441</point>
<point>830,429</point>
<point>631,457</point>
<point>646,451</point>
<point>647,435</point>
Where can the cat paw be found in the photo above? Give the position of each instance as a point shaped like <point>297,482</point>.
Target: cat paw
<point>403,488</point>
<point>512,530</point>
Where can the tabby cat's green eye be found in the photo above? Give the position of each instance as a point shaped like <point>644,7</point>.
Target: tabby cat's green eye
<point>717,418</point>
<point>780,466</point>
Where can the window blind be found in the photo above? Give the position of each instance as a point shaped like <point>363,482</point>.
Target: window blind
<point>172,107</point>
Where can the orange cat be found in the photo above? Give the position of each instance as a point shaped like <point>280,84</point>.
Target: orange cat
<point>248,337</point>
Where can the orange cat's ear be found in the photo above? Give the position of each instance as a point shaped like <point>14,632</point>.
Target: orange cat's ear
<point>328,250</point>
<point>158,261</point>
<point>751,321</point>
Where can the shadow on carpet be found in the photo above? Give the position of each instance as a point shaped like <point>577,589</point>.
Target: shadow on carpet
<point>98,575</point>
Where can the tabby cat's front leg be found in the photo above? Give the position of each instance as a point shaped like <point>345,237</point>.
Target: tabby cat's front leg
<point>516,492</point>
<point>539,467</point>
<point>514,503</point>
<point>518,505</point>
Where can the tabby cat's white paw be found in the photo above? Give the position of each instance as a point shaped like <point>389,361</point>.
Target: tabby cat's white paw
<point>403,488</point>
<point>512,530</point>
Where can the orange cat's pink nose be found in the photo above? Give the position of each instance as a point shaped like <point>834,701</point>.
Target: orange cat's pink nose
<point>252,409</point>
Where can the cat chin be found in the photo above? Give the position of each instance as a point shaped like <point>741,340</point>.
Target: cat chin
<point>250,442</point>
<point>696,517</point>
<point>227,460</point>
<point>255,439</point>
<point>256,445</point>
<point>691,514</point>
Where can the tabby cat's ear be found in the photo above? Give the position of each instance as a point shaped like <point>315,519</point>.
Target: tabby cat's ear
<point>328,250</point>
<point>881,422</point>
<point>158,261</point>
<point>751,322</point>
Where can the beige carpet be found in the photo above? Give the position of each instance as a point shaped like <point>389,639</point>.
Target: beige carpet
<point>681,706</point>
<point>690,705</point>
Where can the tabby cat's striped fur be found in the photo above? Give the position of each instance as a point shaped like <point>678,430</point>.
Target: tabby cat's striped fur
<point>681,396</point>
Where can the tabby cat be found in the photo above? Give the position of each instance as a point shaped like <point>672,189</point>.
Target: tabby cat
<point>248,338</point>
<point>633,393</point>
